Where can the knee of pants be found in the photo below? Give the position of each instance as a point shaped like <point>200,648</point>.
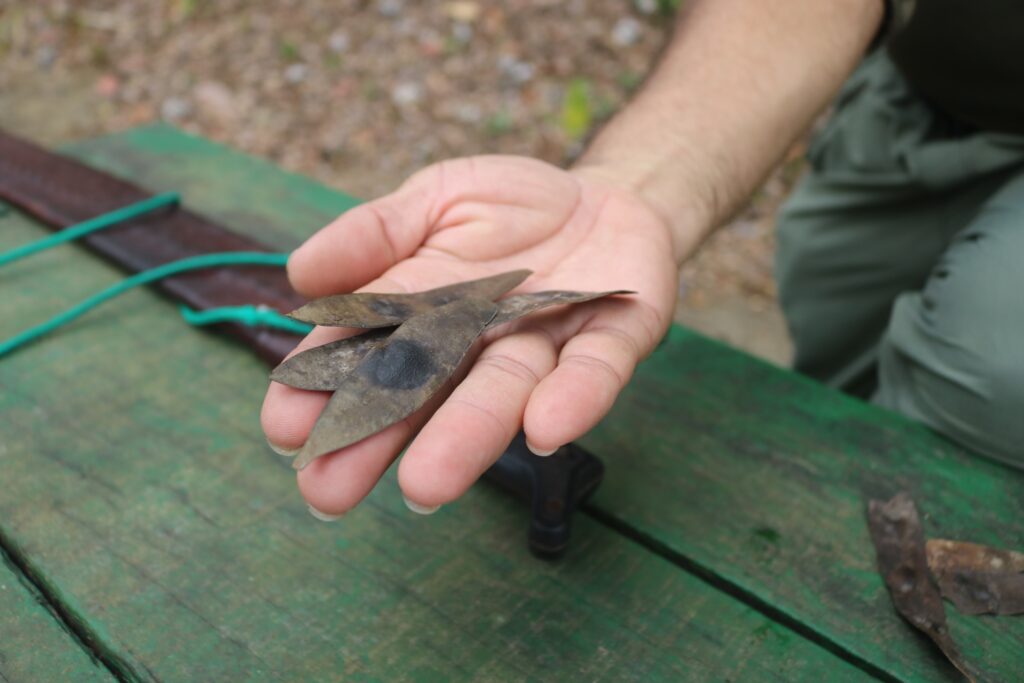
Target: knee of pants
<point>838,273</point>
<point>954,359</point>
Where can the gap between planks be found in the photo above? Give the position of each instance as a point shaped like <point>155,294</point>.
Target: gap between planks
<point>75,625</point>
<point>713,579</point>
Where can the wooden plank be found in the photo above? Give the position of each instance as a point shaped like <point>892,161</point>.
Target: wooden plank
<point>761,477</point>
<point>146,494</point>
<point>34,646</point>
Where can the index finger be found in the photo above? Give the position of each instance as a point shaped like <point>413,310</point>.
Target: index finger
<point>364,242</point>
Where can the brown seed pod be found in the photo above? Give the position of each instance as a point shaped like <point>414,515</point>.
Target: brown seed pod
<point>976,578</point>
<point>896,531</point>
<point>324,368</point>
<point>370,310</point>
<point>524,304</point>
<point>395,379</point>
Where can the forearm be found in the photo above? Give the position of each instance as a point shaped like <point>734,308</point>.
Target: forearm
<point>736,86</point>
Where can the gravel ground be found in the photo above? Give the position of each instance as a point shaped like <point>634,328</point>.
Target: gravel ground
<point>361,93</point>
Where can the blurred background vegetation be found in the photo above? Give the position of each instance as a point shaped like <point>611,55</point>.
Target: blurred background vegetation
<point>361,93</point>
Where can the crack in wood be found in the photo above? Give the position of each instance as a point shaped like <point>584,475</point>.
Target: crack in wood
<point>715,580</point>
<point>69,621</point>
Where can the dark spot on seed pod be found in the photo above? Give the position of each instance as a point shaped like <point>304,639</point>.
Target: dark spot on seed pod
<point>402,364</point>
<point>390,309</point>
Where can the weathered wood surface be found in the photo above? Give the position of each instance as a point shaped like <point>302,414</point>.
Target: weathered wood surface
<point>143,491</point>
<point>33,645</point>
<point>762,478</point>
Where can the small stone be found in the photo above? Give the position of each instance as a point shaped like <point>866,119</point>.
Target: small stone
<point>139,113</point>
<point>462,32</point>
<point>296,73</point>
<point>107,85</point>
<point>345,87</point>
<point>390,8</point>
<point>462,11</point>
<point>133,92</point>
<point>646,6</point>
<point>215,102</point>
<point>407,93</point>
<point>425,150</point>
<point>467,112</point>
<point>516,70</point>
<point>175,109</point>
<point>431,47</point>
<point>405,26</point>
<point>626,32</point>
<point>339,41</point>
<point>332,140</point>
<point>46,56</point>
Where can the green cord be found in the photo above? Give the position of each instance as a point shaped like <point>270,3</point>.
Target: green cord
<point>107,220</point>
<point>143,278</point>
<point>246,315</point>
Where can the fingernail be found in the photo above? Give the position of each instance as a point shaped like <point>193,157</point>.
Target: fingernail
<point>286,452</point>
<point>323,516</point>
<point>420,509</point>
<point>536,451</point>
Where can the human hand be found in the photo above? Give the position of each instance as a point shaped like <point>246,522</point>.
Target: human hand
<point>554,374</point>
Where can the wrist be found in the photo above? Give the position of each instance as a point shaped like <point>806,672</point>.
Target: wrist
<point>687,216</point>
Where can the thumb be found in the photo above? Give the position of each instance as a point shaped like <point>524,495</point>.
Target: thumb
<point>365,241</point>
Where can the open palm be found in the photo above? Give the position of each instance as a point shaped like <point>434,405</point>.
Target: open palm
<point>553,374</point>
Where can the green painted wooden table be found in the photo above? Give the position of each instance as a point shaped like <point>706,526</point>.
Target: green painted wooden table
<point>149,534</point>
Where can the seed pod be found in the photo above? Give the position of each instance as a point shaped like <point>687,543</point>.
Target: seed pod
<point>323,368</point>
<point>369,309</point>
<point>524,304</point>
<point>976,578</point>
<point>396,378</point>
<point>896,531</point>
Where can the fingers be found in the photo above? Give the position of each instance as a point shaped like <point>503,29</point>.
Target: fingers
<point>365,241</point>
<point>477,422</point>
<point>593,367</point>
<point>500,205</point>
<point>288,414</point>
<point>335,483</point>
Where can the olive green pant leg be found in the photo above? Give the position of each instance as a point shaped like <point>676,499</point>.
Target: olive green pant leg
<point>844,255</point>
<point>890,187</point>
<point>953,354</point>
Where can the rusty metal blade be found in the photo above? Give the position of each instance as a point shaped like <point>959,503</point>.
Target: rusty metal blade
<point>370,310</point>
<point>976,578</point>
<point>323,368</point>
<point>524,304</point>
<point>898,537</point>
<point>395,379</point>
